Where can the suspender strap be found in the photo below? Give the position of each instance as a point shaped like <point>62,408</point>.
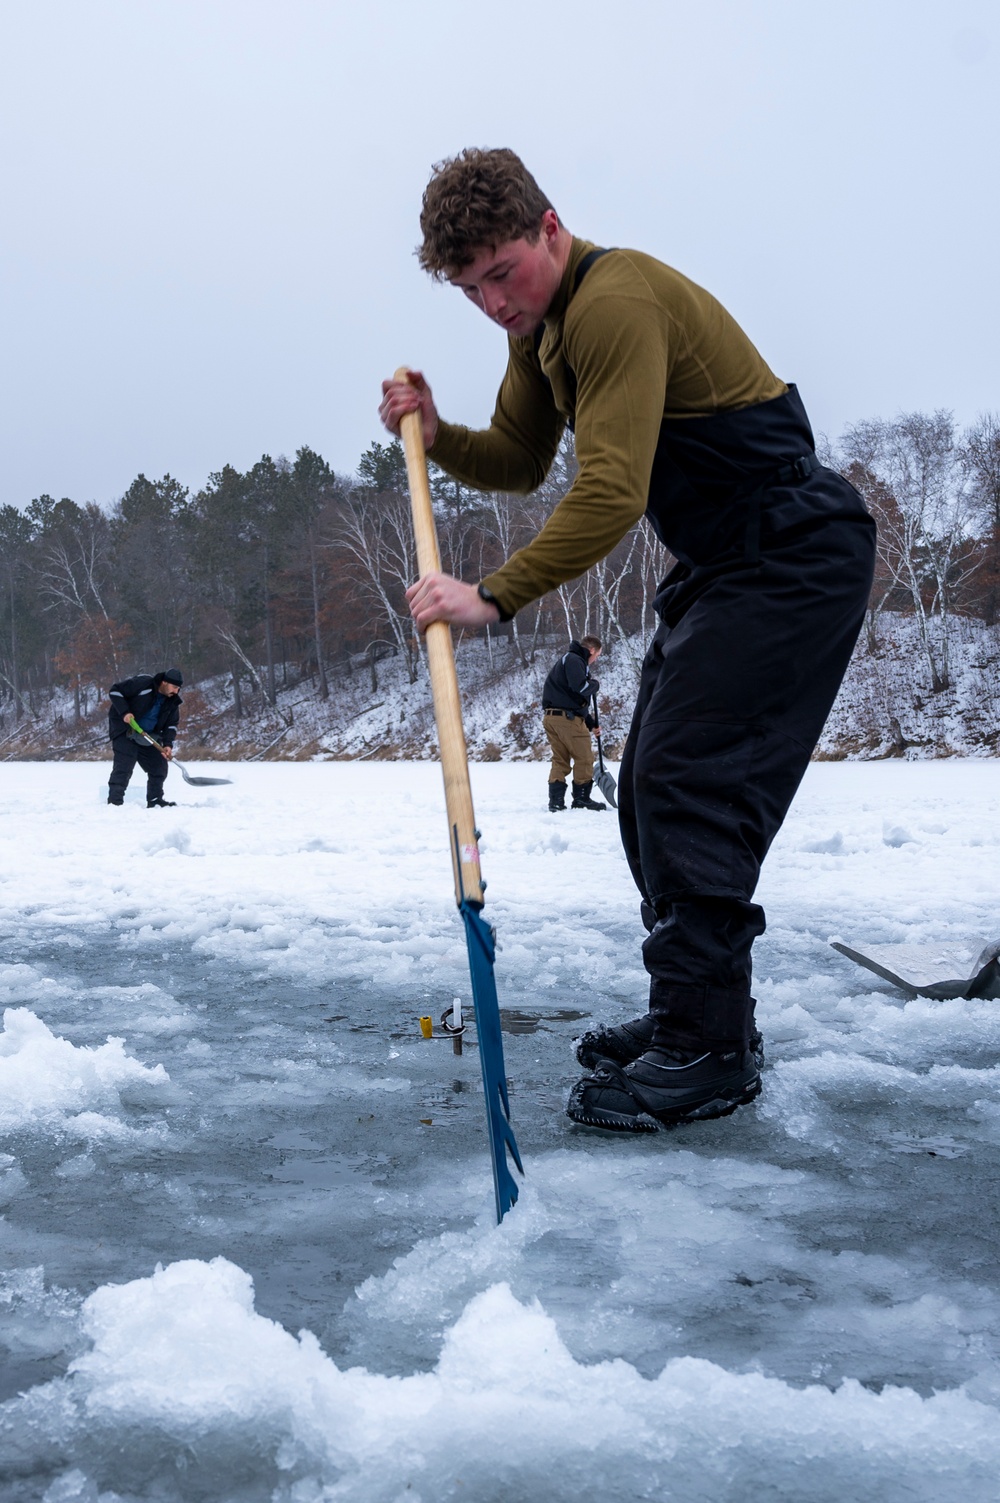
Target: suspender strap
<point>578,276</point>
<point>587,263</point>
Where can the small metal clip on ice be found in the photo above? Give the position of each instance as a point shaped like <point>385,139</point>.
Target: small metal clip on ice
<point>463,834</point>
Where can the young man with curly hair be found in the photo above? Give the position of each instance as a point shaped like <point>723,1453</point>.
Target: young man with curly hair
<point>676,417</point>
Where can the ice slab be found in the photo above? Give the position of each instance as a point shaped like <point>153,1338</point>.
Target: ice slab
<point>46,1082</point>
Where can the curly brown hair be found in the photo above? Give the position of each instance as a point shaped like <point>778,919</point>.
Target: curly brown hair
<point>478,198</point>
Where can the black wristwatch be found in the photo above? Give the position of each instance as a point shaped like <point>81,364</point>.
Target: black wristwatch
<point>491,599</point>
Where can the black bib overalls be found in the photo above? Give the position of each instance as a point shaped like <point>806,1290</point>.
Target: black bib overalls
<point>758,622</point>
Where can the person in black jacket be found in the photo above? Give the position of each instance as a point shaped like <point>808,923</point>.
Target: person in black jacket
<point>155,703</point>
<point>568,723</point>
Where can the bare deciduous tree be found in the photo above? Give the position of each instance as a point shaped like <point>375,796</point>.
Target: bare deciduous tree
<point>926,518</point>
<point>981,457</point>
<point>376,529</point>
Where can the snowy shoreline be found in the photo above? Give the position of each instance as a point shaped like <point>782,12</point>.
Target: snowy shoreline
<point>885,709</point>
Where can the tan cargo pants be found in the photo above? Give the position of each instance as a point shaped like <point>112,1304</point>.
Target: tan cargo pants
<point>570,743</point>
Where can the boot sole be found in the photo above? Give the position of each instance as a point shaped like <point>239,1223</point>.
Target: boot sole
<point>646,1121</point>
<point>721,1106</point>
<point>611,1121</point>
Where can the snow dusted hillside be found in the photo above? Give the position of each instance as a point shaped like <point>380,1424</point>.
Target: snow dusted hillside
<point>885,709</point>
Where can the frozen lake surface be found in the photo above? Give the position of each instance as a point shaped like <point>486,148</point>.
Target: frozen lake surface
<point>247,1241</point>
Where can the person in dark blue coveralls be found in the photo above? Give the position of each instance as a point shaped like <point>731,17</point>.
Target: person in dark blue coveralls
<point>154,702</point>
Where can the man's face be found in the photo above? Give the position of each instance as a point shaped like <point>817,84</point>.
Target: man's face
<point>593,653</point>
<point>167,688</point>
<point>514,283</point>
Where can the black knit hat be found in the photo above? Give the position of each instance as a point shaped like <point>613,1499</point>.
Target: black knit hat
<point>172,676</point>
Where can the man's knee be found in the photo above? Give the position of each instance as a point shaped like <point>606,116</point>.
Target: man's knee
<point>583,753</point>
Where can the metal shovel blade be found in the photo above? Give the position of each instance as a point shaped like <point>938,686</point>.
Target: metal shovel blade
<point>604,780</point>
<point>608,787</point>
<point>199,782</point>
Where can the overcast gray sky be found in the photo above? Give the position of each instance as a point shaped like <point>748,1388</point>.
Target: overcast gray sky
<point>209,207</point>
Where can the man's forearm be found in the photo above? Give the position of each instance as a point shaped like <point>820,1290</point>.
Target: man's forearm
<point>486,459</point>
<point>579,533</point>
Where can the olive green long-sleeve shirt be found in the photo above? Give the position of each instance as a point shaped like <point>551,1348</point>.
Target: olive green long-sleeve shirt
<point>644,344</point>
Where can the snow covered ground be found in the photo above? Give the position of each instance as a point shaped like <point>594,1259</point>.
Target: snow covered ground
<point>247,1240</point>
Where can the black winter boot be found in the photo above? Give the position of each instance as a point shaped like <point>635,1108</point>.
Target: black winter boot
<point>627,1041</point>
<point>116,801</point>
<point>557,796</point>
<point>582,798</point>
<point>664,1086</point>
<point>160,803</point>
<point>623,1043</point>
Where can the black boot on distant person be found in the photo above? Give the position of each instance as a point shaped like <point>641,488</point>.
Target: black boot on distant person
<point>116,801</point>
<point>582,798</point>
<point>557,796</point>
<point>160,803</point>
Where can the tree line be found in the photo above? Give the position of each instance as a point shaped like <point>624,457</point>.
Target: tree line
<point>290,574</point>
<point>285,574</point>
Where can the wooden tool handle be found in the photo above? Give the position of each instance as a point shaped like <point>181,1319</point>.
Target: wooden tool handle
<point>463,835</point>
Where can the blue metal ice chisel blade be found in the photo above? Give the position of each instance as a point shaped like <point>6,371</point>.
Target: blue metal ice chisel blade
<point>482,951</point>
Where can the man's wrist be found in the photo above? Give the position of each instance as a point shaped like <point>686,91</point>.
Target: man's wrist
<point>486,594</point>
